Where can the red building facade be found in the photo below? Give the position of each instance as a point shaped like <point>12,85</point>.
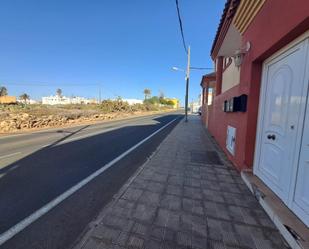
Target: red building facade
<point>260,112</point>
<point>274,25</point>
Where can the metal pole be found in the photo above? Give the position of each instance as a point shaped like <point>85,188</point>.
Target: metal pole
<point>187,85</point>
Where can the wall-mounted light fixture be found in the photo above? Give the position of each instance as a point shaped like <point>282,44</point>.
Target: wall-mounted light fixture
<point>240,54</point>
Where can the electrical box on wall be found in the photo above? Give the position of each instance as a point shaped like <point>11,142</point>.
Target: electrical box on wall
<point>231,139</point>
<point>236,104</point>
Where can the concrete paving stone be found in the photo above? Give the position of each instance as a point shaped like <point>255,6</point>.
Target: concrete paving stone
<point>135,242</point>
<point>199,230</point>
<point>266,222</point>
<point>106,234</point>
<point>263,244</point>
<point>223,171</point>
<point>170,202</point>
<point>132,194</point>
<point>207,170</point>
<point>139,183</point>
<point>118,222</point>
<point>194,175</point>
<point>194,193</point>
<point>174,190</point>
<point>144,213</point>
<point>212,195</point>
<point>159,177</point>
<point>260,234</point>
<point>157,232</point>
<point>170,245</point>
<point>155,187</point>
<point>195,168</point>
<point>185,223</point>
<point>225,178</point>
<point>140,229</point>
<point>176,180</point>
<point>246,241</point>
<point>230,238</point>
<point>212,244</point>
<point>231,188</point>
<point>210,185</point>
<point>120,212</point>
<point>92,243</point>
<point>167,218</point>
<point>193,206</point>
<point>152,244</point>
<point>236,214</point>
<point>150,198</point>
<point>184,239</point>
<point>125,203</point>
<point>238,199</point>
<point>198,242</point>
<point>192,182</point>
<point>209,176</point>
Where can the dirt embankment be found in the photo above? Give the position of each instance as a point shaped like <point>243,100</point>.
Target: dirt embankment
<point>11,122</point>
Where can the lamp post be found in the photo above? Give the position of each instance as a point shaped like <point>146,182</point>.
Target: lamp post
<point>187,83</point>
<point>188,79</point>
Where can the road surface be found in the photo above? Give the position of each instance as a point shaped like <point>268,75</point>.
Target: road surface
<point>53,183</point>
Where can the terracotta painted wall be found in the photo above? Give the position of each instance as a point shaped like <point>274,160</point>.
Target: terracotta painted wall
<point>276,24</point>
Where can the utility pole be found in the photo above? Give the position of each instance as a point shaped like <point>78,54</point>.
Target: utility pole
<point>187,85</point>
<point>99,94</point>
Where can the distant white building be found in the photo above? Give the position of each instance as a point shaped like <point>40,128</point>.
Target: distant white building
<point>63,100</point>
<point>133,101</point>
<point>28,101</point>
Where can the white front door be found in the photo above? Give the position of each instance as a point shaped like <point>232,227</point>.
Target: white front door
<point>301,197</point>
<point>279,119</point>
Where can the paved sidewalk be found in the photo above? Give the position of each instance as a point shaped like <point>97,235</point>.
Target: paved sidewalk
<point>177,200</point>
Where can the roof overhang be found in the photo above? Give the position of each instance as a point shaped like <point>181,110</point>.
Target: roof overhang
<point>224,26</point>
<point>208,78</point>
<point>230,43</point>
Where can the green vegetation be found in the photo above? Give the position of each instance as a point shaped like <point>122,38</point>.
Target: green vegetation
<point>24,97</point>
<point>159,101</point>
<point>3,91</point>
<point>147,93</point>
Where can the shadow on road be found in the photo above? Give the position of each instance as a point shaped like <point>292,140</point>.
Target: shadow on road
<point>33,181</point>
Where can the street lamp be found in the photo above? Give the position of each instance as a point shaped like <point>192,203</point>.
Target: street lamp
<point>178,69</point>
<point>187,82</point>
<point>187,79</point>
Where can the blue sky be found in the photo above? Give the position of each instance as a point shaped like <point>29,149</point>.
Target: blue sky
<point>119,46</point>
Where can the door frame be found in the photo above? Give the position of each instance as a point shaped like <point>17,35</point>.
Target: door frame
<point>283,52</point>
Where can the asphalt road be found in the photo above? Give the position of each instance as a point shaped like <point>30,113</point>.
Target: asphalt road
<point>37,168</point>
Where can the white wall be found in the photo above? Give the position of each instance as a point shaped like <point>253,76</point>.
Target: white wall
<point>230,77</point>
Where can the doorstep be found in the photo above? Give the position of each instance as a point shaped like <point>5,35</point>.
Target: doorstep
<point>295,232</point>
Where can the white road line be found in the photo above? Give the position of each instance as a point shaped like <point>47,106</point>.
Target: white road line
<point>43,210</point>
<point>9,155</point>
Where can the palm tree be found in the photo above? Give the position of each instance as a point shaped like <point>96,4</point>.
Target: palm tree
<point>24,97</point>
<point>3,91</point>
<point>147,93</point>
<point>59,92</point>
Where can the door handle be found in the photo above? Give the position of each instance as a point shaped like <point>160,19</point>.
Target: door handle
<point>273,136</point>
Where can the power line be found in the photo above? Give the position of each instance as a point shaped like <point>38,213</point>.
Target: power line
<point>181,28</point>
<point>202,68</point>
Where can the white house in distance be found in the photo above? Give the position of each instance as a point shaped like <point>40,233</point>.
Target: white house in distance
<point>133,101</point>
<point>28,101</point>
<point>63,100</point>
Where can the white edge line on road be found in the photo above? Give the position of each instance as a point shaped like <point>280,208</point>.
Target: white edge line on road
<point>9,155</point>
<point>43,210</point>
